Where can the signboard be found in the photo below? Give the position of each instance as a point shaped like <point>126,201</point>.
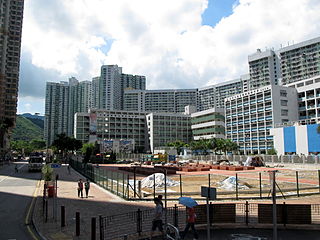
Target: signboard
<point>211,193</point>
<point>172,157</point>
<point>55,165</point>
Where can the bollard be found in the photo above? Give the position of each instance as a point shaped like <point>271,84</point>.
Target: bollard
<point>46,210</point>
<point>180,185</point>
<point>247,213</point>
<point>297,179</point>
<point>63,216</point>
<point>175,219</point>
<point>77,224</point>
<point>93,228</point>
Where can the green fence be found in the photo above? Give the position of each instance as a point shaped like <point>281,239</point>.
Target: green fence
<point>115,182</point>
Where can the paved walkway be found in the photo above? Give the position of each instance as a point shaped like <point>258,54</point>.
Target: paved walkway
<point>100,202</point>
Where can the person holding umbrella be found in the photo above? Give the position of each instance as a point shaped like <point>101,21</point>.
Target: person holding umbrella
<point>190,204</point>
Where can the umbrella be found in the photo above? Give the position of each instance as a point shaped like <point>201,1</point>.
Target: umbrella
<point>188,202</point>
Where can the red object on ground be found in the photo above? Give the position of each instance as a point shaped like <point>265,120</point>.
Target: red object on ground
<point>50,191</point>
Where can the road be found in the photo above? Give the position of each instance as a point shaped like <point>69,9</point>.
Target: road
<point>16,191</point>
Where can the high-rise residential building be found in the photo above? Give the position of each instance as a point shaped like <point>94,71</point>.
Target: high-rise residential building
<point>250,116</point>
<point>286,65</point>
<point>95,92</point>
<point>264,69</point>
<point>112,83</point>
<point>170,101</point>
<point>110,87</point>
<point>129,81</point>
<point>300,61</point>
<point>11,15</point>
<point>213,96</point>
<point>56,110</point>
<point>168,127</point>
<point>308,99</point>
<point>80,100</point>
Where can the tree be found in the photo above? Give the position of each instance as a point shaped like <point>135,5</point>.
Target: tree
<point>64,143</point>
<point>87,150</point>
<point>5,125</point>
<point>178,145</point>
<point>202,145</point>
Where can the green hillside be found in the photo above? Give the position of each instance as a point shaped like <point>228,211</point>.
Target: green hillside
<point>26,130</point>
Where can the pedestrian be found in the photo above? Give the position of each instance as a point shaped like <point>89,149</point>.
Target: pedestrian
<point>157,219</point>
<point>87,187</point>
<point>69,170</point>
<point>80,188</point>
<point>190,223</point>
<point>160,199</point>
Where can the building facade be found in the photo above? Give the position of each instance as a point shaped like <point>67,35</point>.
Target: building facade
<point>297,139</point>
<point>213,96</point>
<point>264,68</point>
<point>251,115</point>
<point>208,124</point>
<point>168,127</point>
<point>170,101</point>
<point>56,120</point>
<point>99,125</point>
<point>308,99</point>
<point>11,16</point>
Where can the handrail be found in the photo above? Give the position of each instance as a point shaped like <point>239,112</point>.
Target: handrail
<point>172,232</point>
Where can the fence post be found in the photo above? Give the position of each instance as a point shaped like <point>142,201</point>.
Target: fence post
<point>297,179</point>
<point>93,228</point>
<point>284,214</point>
<point>134,182</point>
<point>181,184</point>
<point>154,185</point>
<point>128,191</point>
<point>117,183</point>
<point>260,186</point>
<point>101,228</point>
<point>139,222</point>
<point>247,213</point>
<point>123,181</point>
<point>63,216</point>
<point>236,186</point>
<point>77,224</point>
<point>319,179</point>
<point>175,216</point>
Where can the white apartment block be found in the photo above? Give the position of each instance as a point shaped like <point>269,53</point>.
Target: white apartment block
<point>80,100</point>
<point>106,125</point>
<point>171,100</point>
<point>208,124</point>
<point>110,87</point>
<point>308,99</point>
<point>251,115</point>
<point>213,96</point>
<point>264,68</point>
<point>286,65</point>
<point>168,127</point>
<point>95,92</point>
<point>56,110</point>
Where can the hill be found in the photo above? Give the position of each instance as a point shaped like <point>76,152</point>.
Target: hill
<point>26,130</point>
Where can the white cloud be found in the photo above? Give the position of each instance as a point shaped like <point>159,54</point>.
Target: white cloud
<point>161,39</point>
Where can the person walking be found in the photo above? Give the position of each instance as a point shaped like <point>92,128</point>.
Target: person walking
<point>87,187</point>
<point>157,219</point>
<point>190,223</point>
<point>80,188</point>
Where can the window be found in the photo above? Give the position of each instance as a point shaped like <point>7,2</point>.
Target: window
<point>284,102</point>
<point>283,93</point>
<point>284,112</point>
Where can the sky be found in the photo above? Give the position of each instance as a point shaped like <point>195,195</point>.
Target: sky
<point>178,44</point>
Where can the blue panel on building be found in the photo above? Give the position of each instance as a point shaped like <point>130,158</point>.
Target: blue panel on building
<point>289,137</point>
<point>313,138</point>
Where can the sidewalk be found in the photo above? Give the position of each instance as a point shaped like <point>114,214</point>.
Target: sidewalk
<point>99,202</point>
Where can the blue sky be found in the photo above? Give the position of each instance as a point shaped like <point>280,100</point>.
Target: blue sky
<point>216,10</point>
<point>175,48</point>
